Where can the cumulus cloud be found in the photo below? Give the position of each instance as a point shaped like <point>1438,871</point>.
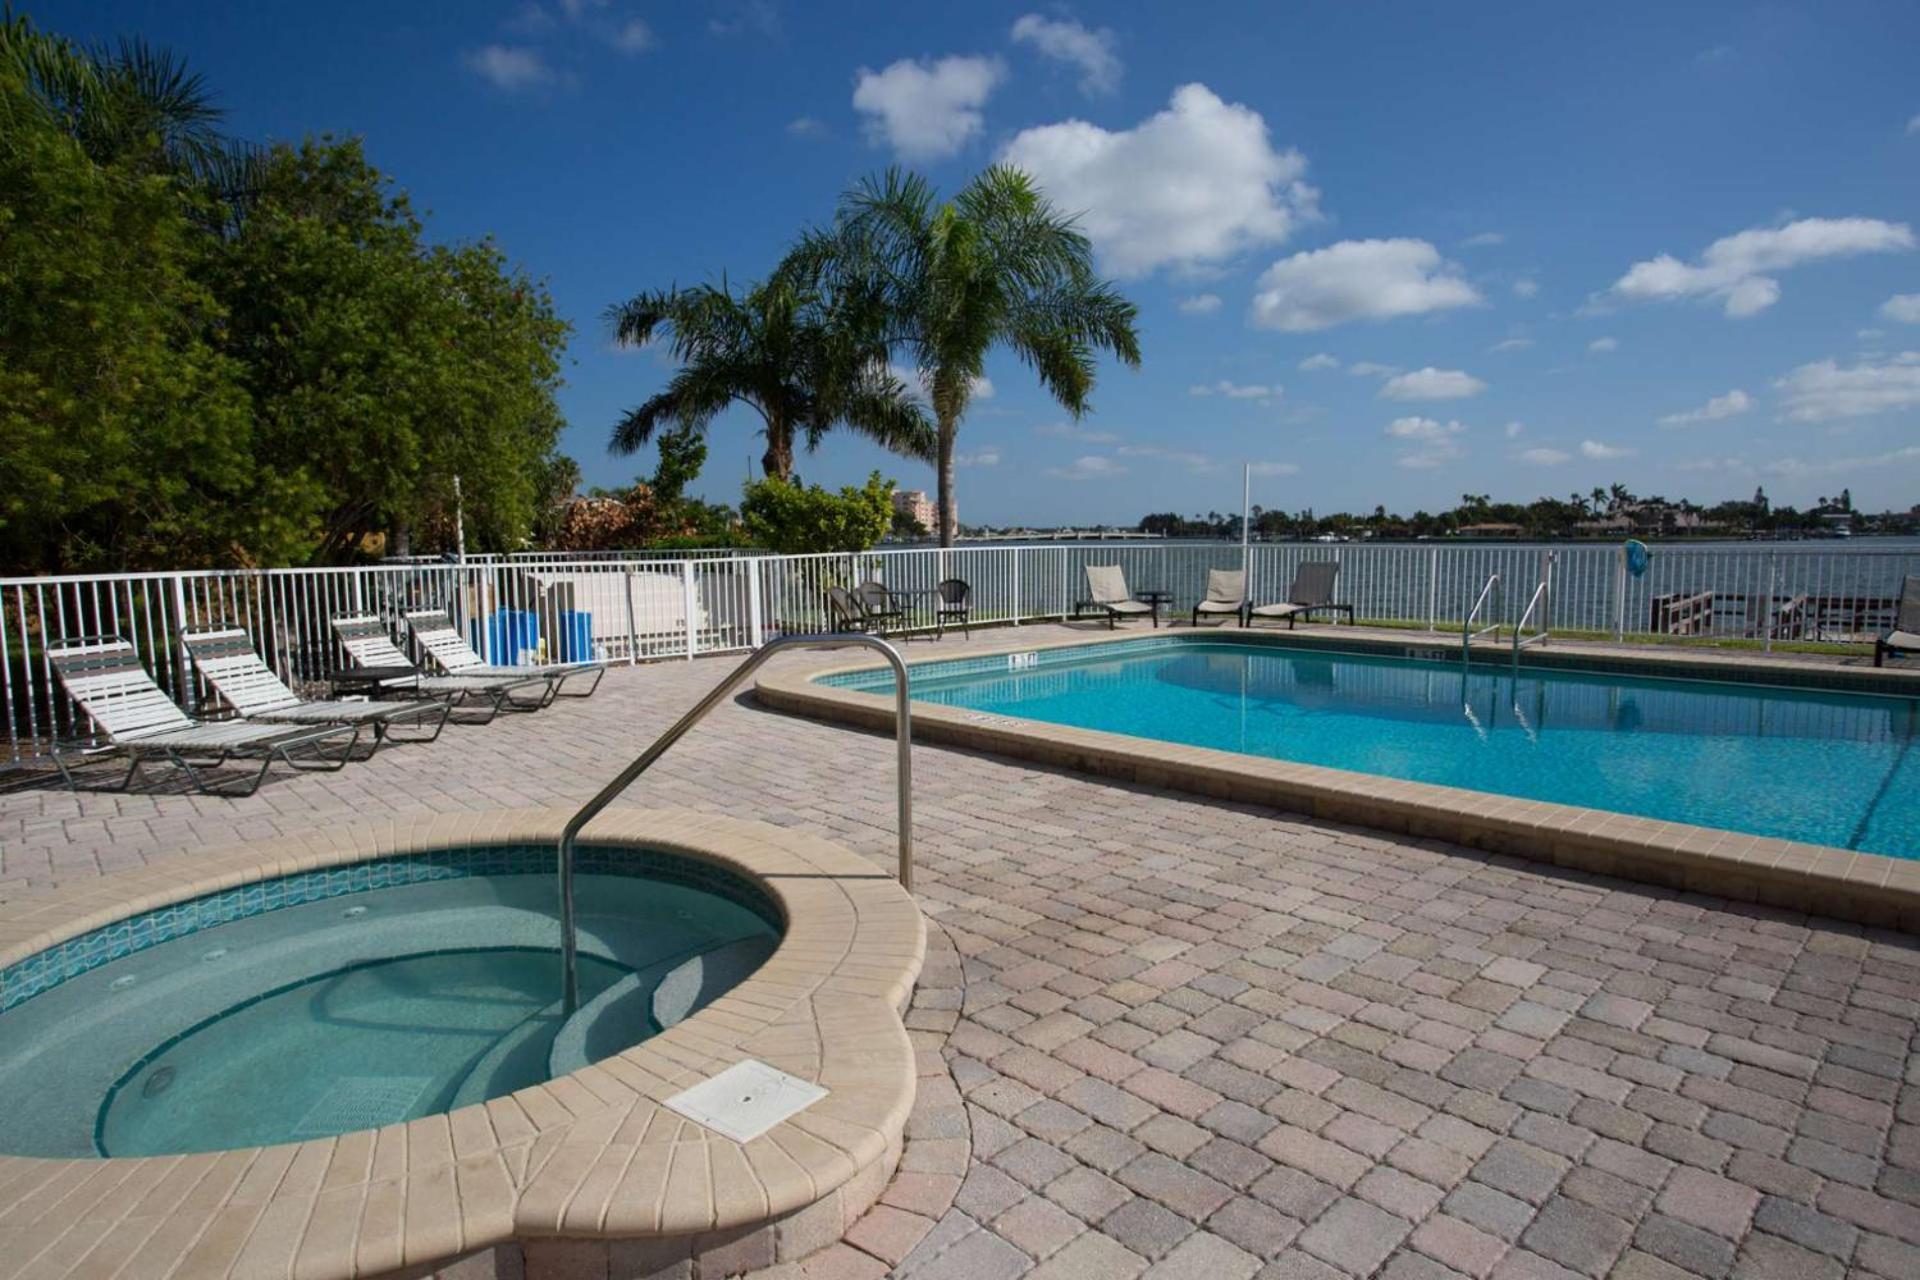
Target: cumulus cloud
<point>1358,280</point>
<point>1090,467</point>
<point>1433,384</point>
<point>1484,240</point>
<point>1823,390</point>
<point>1318,361</point>
<point>1604,344</point>
<point>1904,307</point>
<point>920,381</point>
<point>1842,466</point>
<point>987,457</point>
<point>1430,442</point>
<point>1525,288</point>
<point>1600,451</point>
<point>1734,402</point>
<point>806,127</point>
<point>924,109</point>
<point>1512,344</point>
<point>1737,270</point>
<point>1237,390</point>
<point>510,67</point>
<point>1200,304</point>
<point>1544,457</point>
<point>1072,431</point>
<point>1514,429</point>
<point>1064,40</point>
<point>1188,187</point>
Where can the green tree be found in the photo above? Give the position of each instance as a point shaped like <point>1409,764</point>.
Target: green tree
<point>791,518</point>
<point>781,350</point>
<point>948,282</point>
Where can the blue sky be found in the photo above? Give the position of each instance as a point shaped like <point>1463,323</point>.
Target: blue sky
<point>1389,253</point>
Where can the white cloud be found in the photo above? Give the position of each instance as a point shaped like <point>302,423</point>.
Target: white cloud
<point>510,67</point>
<point>987,457</point>
<point>1543,457</point>
<point>1274,468</point>
<point>1318,361</point>
<point>1192,461</point>
<point>1512,344</point>
<point>1191,186</point>
<point>921,381</point>
<point>1485,240</point>
<point>1525,288</point>
<point>1200,304</point>
<point>1070,431</point>
<point>1913,126</point>
<point>1357,280</point>
<point>1842,466</point>
<point>1604,344</point>
<point>1904,307</point>
<point>1711,464</point>
<point>1433,384</point>
<point>1734,402</point>
<point>925,110</point>
<point>1823,391</point>
<point>806,127</point>
<point>1091,467</point>
<point>1736,270</point>
<point>1369,369</point>
<point>1431,443</point>
<point>1238,391</point>
<point>1601,452</point>
<point>633,36</point>
<point>1514,429</point>
<point>1065,40</point>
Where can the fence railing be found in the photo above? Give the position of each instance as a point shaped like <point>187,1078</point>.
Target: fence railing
<point>641,607</point>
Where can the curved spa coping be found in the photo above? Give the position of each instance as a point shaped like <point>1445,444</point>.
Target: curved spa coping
<point>587,1165</point>
<point>1866,888</point>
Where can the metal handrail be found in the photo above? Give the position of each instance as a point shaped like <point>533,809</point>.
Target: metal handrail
<point>903,767</point>
<point>1542,600</point>
<point>1467,634</point>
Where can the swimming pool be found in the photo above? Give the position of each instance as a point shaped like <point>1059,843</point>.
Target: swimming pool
<point>1827,768</point>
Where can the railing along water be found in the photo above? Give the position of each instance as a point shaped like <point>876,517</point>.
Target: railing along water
<point>903,780</point>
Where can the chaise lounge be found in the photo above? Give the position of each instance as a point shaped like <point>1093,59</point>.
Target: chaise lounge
<point>365,639</point>
<point>1107,592</point>
<point>1904,637</point>
<point>1226,596</point>
<point>228,662</point>
<point>446,648</point>
<point>1312,592</point>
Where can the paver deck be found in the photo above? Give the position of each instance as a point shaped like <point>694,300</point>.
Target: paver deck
<point>1201,1039</point>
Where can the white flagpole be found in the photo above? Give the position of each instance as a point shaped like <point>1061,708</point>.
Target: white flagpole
<point>1246,511</point>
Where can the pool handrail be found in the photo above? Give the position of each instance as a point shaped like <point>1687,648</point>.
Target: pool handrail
<point>1467,634</point>
<point>903,779</point>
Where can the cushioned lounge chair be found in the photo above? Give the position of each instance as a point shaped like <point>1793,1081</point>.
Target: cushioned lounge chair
<point>367,643</point>
<point>446,648</point>
<point>105,676</point>
<point>1905,635</point>
<point>228,662</point>
<point>1312,592</point>
<point>1226,596</point>
<point>1107,593</point>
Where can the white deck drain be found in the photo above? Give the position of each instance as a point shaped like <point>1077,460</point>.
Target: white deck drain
<point>362,1102</point>
<point>745,1100</point>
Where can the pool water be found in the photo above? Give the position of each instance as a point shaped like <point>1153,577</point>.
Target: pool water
<point>357,1011</point>
<point>1828,768</point>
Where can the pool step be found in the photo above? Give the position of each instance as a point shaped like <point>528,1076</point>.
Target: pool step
<point>652,1000</point>
<point>516,1060</point>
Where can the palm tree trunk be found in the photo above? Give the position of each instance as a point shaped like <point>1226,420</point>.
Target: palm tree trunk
<point>777,461</point>
<point>949,520</point>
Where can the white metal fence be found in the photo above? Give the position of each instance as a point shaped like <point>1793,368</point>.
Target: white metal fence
<point>635,608</point>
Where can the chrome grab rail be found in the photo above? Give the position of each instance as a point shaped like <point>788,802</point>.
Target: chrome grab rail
<point>903,767</point>
<point>1467,634</point>
<point>1542,600</point>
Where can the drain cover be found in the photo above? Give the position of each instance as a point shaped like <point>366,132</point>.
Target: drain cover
<point>362,1102</point>
<point>745,1100</point>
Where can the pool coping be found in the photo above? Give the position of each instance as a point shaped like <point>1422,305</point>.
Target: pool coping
<point>1866,888</point>
<point>588,1161</point>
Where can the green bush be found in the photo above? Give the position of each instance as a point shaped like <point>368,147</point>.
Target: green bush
<point>791,518</point>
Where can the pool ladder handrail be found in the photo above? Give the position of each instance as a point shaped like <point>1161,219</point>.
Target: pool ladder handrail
<point>1543,601</point>
<point>903,780</point>
<point>1467,634</point>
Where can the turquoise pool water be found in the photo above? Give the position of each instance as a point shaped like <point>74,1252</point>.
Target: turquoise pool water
<point>357,1011</point>
<point>1828,768</point>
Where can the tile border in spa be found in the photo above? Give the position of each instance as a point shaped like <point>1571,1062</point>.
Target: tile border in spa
<point>1866,888</point>
<point>588,1160</point>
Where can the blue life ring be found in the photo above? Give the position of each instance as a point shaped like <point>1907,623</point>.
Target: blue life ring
<point>1637,557</point>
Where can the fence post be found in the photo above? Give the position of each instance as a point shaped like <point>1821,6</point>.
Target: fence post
<point>633,629</point>
<point>687,600</point>
<point>755,635</point>
<point>1015,553</point>
<point>182,679</point>
<point>1620,594</point>
<point>1766,610</point>
<point>1433,589</point>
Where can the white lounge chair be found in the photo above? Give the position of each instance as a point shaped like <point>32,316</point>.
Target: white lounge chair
<point>247,684</point>
<point>1226,596</point>
<point>1311,592</point>
<point>1905,635</point>
<point>367,643</point>
<point>446,648</point>
<point>1107,592</point>
<point>105,676</point>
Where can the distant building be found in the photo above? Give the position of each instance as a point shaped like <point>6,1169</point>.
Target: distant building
<point>915,504</point>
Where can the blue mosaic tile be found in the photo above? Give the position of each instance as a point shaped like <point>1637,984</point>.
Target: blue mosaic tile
<point>999,663</point>
<point>44,970</point>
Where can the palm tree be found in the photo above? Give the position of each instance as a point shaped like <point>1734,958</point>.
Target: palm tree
<point>779,350</point>
<point>948,282</point>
